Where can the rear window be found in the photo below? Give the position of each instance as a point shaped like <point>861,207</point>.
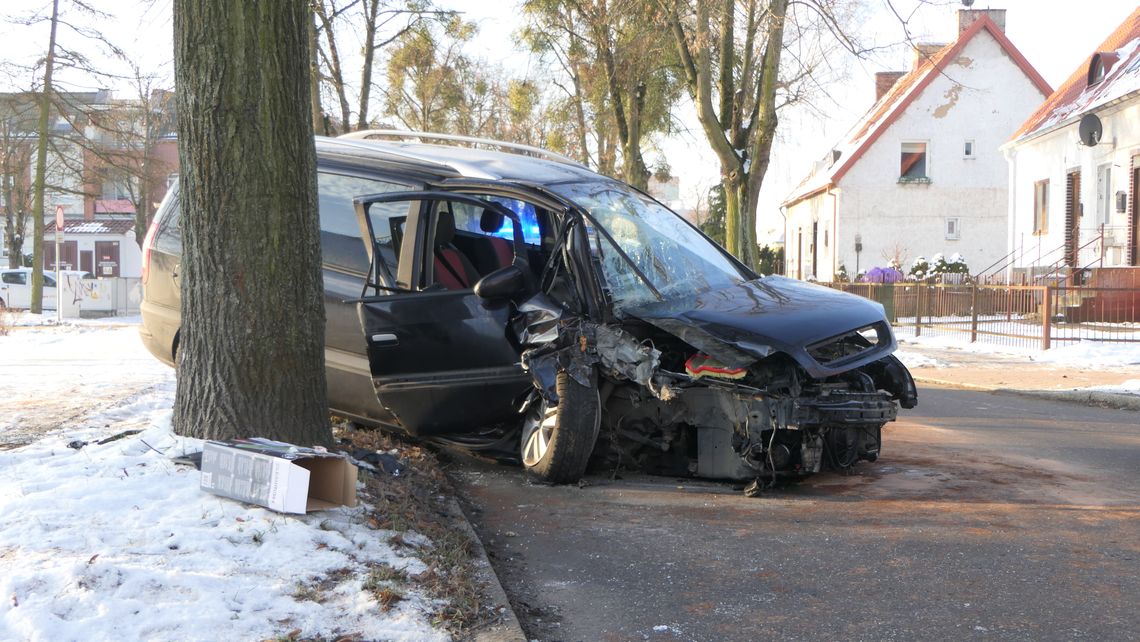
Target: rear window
<point>168,238</point>
<point>341,246</point>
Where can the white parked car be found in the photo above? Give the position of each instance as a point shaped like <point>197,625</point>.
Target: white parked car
<point>16,287</point>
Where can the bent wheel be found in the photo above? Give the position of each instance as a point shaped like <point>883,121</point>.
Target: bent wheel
<point>557,440</point>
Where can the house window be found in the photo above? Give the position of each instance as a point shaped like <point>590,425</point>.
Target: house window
<point>968,149</point>
<point>1041,207</point>
<point>1104,194</point>
<point>953,229</point>
<point>913,166</point>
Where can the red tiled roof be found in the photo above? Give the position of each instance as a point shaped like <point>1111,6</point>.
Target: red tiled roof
<point>1075,97</point>
<point>893,104</point>
<point>79,226</point>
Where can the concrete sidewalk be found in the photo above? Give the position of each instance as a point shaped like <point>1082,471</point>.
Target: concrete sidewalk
<point>1020,374</point>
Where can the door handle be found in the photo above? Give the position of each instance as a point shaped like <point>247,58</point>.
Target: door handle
<point>385,339</point>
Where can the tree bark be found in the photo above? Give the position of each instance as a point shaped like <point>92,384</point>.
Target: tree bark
<point>37,303</point>
<point>251,359</point>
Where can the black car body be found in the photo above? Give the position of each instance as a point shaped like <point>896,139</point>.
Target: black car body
<point>501,300</point>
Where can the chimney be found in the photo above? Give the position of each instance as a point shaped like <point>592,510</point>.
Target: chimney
<point>923,51</point>
<point>884,80</point>
<point>967,17</point>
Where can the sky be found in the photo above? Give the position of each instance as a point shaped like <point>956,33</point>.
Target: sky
<point>1056,36</point>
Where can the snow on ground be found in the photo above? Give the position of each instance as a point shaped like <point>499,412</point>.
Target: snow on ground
<point>1130,387</point>
<point>914,360</point>
<point>54,375</point>
<point>1076,354</point>
<point>115,541</point>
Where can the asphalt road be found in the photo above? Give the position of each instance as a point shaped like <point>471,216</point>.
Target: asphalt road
<point>988,517</point>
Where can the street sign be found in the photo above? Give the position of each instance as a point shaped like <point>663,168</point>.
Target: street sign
<point>58,220</point>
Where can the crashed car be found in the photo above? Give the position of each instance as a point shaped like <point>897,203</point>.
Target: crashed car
<point>510,299</point>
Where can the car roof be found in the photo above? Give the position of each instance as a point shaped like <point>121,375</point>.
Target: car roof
<point>447,161</point>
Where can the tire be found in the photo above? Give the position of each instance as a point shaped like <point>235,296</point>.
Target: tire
<point>557,441</point>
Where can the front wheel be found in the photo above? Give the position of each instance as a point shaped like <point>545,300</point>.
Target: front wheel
<point>557,440</point>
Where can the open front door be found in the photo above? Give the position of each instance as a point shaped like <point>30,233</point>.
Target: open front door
<point>440,356</point>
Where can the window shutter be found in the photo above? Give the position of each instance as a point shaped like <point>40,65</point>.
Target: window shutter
<point>1072,217</point>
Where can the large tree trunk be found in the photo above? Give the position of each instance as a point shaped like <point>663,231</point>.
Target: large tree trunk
<point>728,132</point>
<point>37,303</point>
<point>251,357</point>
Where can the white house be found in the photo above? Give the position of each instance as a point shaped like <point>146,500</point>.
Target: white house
<point>921,173</point>
<point>1072,199</point>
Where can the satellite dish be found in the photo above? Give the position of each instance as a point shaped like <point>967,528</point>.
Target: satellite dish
<point>968,3</point>
<point>1090,129</point>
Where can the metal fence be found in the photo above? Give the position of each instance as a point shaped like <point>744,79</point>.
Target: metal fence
<point>1024,315</point>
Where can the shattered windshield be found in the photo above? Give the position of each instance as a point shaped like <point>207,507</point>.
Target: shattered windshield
<point>673,259</point>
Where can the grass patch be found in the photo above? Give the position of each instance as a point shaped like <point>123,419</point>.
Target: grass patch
<point>413,502</point>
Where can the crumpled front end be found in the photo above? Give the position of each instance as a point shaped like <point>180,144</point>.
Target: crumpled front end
<point>776,391</point>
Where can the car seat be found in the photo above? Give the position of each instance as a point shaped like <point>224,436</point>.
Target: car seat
<point>452,269</point>
<point>491,252</point>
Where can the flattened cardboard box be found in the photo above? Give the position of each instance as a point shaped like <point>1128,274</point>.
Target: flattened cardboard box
<point>277,475</point>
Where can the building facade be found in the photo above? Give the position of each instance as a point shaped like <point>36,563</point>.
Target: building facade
<point>922,172</point>
<point>110,161</point>
<point>1074,168</point>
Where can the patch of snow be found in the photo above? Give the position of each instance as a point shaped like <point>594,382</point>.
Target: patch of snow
<point>1077,354</point>
<point>914,360</point>
<point>1130,387</point>
<point>115,541</point>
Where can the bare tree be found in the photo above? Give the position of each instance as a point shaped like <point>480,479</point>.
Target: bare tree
<point>127,145</point>
<point>252,348</point>
<point>41,169</point>
<point>618,70</point>
<point>16,162</point>
<point>377,25</point>
<point>744,60</point>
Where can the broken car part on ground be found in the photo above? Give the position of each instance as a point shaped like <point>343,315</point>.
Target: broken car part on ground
<point>518,302</point>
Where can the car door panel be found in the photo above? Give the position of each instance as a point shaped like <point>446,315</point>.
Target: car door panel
<point>441,361</point>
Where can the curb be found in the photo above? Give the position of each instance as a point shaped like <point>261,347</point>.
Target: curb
<point>508,628</point>
<point>1095,398</point>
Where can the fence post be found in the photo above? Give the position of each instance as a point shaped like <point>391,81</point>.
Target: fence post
<point>918,288</point>
<point>1046,317</point>
<point>973,313</point>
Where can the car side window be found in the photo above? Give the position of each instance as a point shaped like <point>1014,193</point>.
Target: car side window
<point>168,237</point>
<point>14,278</point>
<point>340,232</point>
<point>49,282</point>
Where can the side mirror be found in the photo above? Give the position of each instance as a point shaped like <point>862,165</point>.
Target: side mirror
<point>503,283</point>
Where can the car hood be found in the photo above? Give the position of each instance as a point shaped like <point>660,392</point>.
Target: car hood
<point>743,323</point>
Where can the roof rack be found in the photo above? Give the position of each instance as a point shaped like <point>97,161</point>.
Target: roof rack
<point>515,148</point>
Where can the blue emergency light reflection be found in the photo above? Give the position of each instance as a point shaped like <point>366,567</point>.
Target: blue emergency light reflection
<point>531,233</point>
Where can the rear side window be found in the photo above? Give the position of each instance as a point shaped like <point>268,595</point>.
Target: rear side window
<point>341,244</point>
<point>168,238</point>
<point>14,278</point>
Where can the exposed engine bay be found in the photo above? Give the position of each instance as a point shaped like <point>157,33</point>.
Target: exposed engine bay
<point>671,407</point>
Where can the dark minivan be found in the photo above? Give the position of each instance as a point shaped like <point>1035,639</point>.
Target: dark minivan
<point>505,298</point>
